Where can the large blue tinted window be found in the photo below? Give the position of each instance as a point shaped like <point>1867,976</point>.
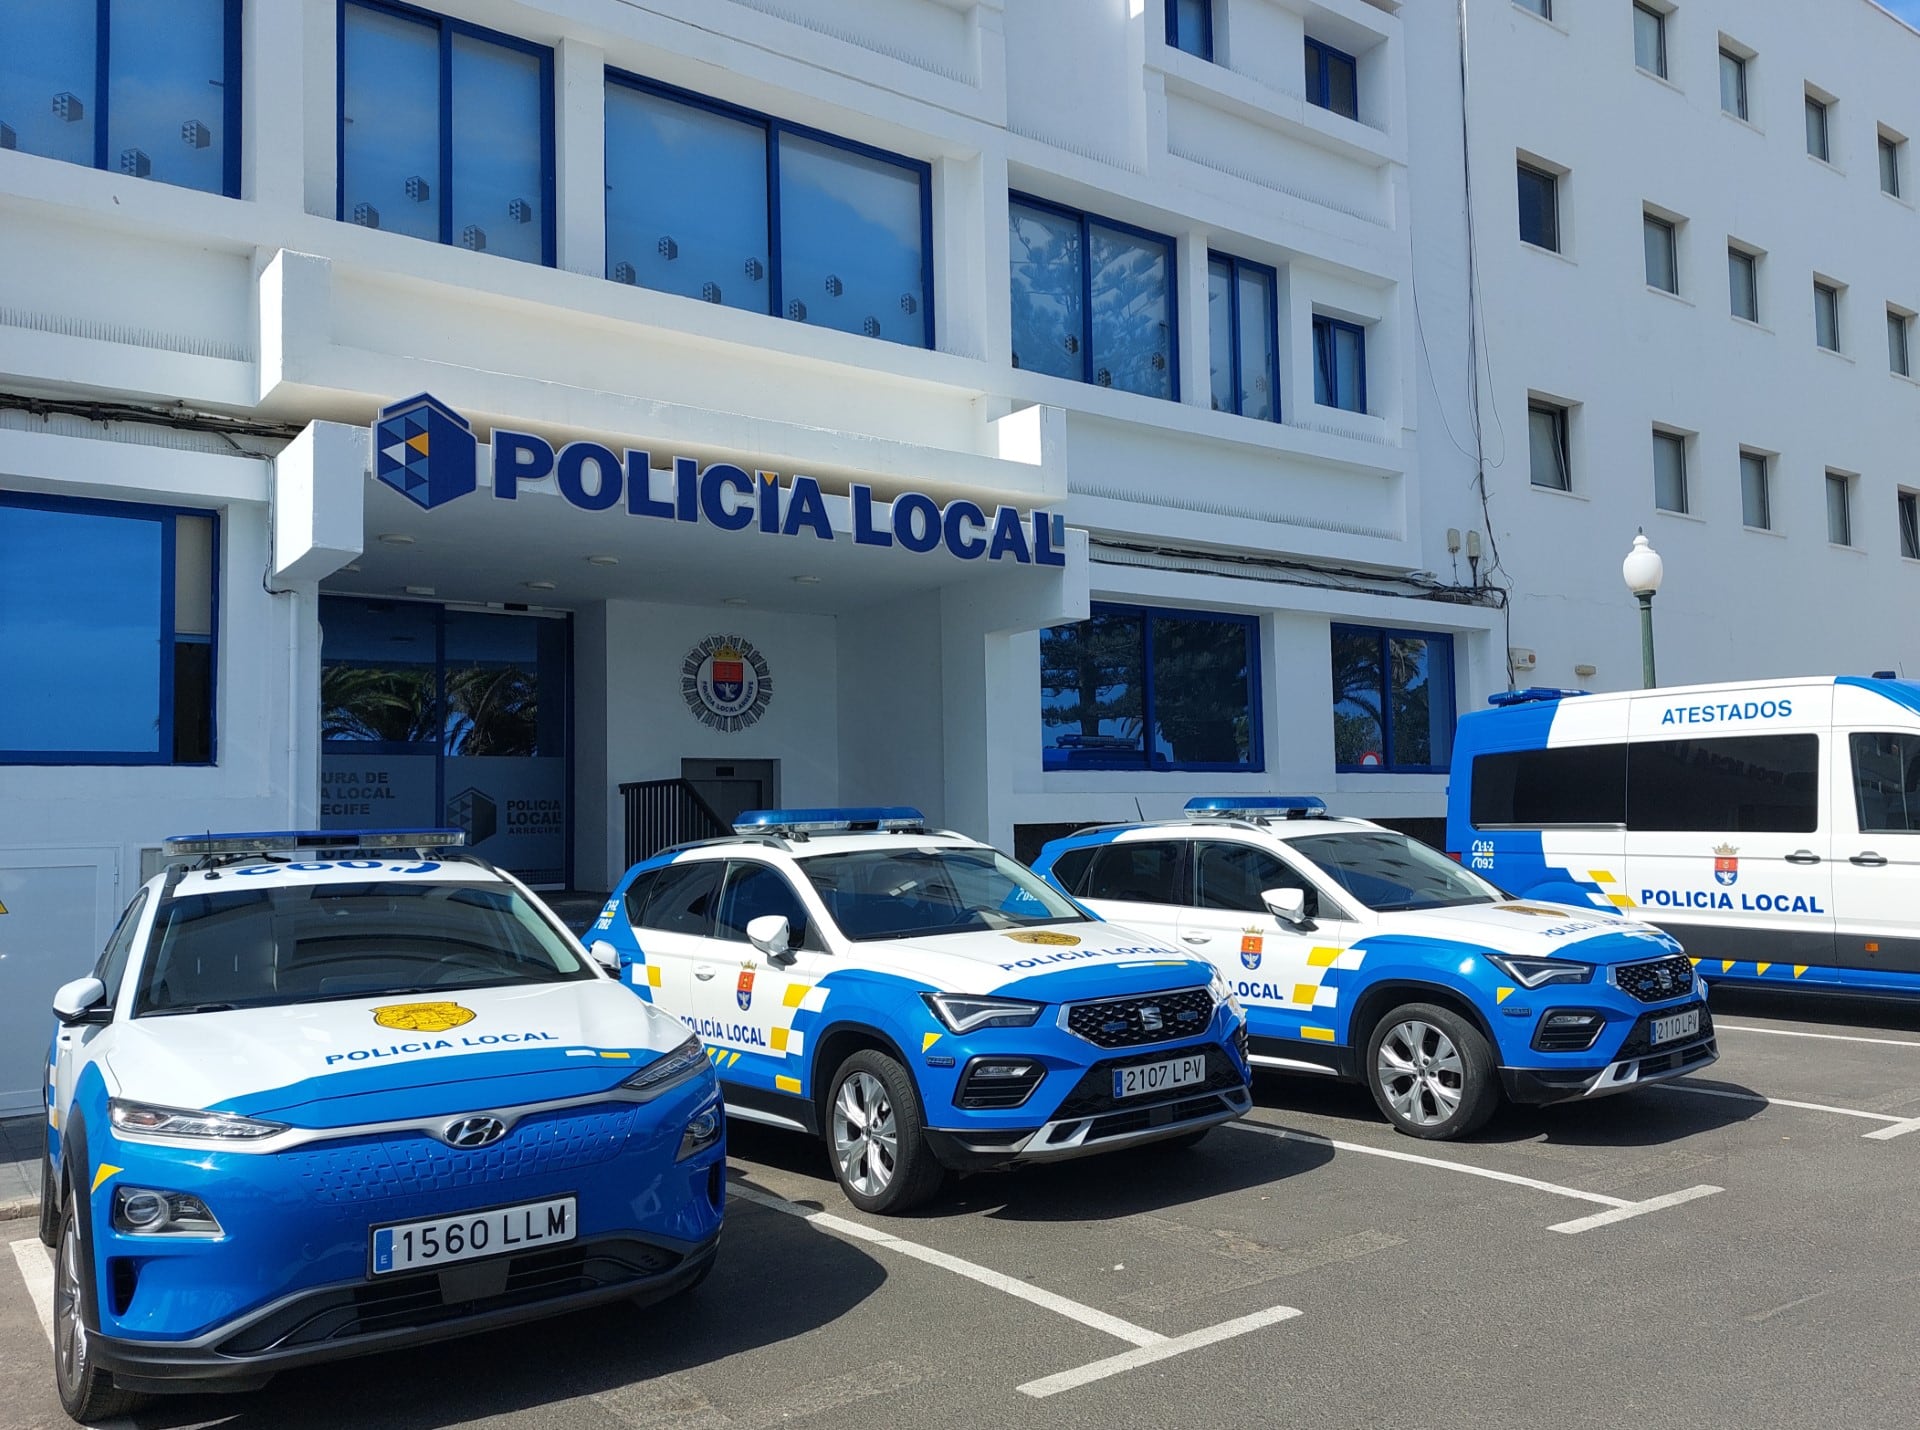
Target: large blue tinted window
<point>106,633</point>
<point>446,132</point>
<point>1242,355</point>
<point>169,108</point>
<point>1091,299</point>
<point>840,238</point>
<point>1131,689</point>
<point>1393,706</point>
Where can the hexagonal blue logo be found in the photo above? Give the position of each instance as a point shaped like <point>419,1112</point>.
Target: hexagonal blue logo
<point>425,450</point>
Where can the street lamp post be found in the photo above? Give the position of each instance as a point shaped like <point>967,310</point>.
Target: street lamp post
<point>1642,571</point>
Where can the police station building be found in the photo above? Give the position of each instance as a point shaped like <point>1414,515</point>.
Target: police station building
<point>577,424</point>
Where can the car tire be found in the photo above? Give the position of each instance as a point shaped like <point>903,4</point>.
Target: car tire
<point>49,1200</point>
<point>1431,1072</point>
<point>87,1393</point>
<point>875,1136</point>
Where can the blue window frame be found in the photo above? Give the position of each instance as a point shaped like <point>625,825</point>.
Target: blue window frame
<point>1243,354</point>
<point>1093,299</point>
<point>1339,364</point>
<point>445,131</point>
<point>711,201</point>
<point>1146,688</point>
<point>108,616</point>
<point>1190,27</point>
<point>1333,79</point>
<point>150,90</point>
<point>1393,706</point>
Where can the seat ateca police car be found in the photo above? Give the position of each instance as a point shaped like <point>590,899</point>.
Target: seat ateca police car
<point>1363,954</point>
<point>921,999</point>
<point>325,1095</point>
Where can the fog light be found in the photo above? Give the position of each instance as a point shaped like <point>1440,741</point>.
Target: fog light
<point>703,1130</point>
<point>142,1210</point>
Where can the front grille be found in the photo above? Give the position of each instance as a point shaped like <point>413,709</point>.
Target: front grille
<point>1639,1043</point>
<point>989,1093</point>
<point>1093,1095</point>
<point>359,1171</point>
<point>1657,980</point>
<point>1153,1018</point>
<point>424,1298</point>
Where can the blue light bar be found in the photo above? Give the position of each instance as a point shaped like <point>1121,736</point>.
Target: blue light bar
<point>260,841</point>
<point>823,821</point>
<point>1530,694</point>
<point>1259,806</point>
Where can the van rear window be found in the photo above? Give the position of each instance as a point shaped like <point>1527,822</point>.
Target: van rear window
<point>1571,784</point>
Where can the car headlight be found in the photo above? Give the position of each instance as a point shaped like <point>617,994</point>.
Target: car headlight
<point>702,1131</point>
<point>1539,972</point>
<point>668,1070</point>
<point>151,1121</point>
<point>962,1013</point>
<point>1224,994</point>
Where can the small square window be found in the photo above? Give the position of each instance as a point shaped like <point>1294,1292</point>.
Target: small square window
<point>1826,316</point>
<point>1817,129</point>
<point>1890,165</point>
<point>1839,509</point>
<point>1670,472</point>
<point>1539,207</point>
<point>1650,39</point>
<point>1190,27</point>
<point>1332,79</point>
<point>1733,84</point>
<point>1756,495</point>
<point>1663,266</point>
<point>1743,284</point>
<point>1910,525</point>
<point>1339,364</point>
<point>1547,446</point>
<point>1899,329</point>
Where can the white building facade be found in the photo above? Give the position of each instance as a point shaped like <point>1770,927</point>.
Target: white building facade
<point>532,417</point>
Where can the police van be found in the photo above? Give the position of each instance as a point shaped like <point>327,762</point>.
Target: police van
<point>1362,954</point>
<point>921,1000</point>
<point>1772,826</point>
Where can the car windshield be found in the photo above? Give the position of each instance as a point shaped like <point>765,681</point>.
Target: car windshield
<point>1391,873</point>
<point>906,893</point>
<point>307,943</point>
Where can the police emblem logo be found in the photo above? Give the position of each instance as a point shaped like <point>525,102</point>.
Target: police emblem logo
<point>425,450</point>
<point>1041,936</point>
<point>422,1017</point>
<point>1726,864</point>
<point>743,990</point>
<point>726,683</point>
<point>1251,945</point>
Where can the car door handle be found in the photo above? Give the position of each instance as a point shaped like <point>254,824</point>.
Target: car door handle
<point>1803,856</point>
<point>703,972</point>
<point>1867,859</point>
<point>1196,938</point>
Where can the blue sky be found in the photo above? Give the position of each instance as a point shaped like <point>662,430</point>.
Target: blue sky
<point>1908,10</point>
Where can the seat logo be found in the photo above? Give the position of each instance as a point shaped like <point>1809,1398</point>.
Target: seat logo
<point>423,1017</point>
<point>1150,1018</point>
<point>472,1132</point>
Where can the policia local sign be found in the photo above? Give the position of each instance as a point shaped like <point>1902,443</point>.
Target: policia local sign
<point>427,452</point>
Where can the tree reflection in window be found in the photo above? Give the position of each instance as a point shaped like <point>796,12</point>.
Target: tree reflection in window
<point>1393,702</point>
<point>1091,300</point>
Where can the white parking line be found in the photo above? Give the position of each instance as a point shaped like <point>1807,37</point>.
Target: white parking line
<point>1896,1126</point>
<point>1619,1208</point>
<point>1149,1346</point>
<point>1826,1037</point>
<point>36,1269</point>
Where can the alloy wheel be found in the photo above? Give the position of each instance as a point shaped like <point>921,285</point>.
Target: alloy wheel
<point>1421,1073</point>
<point>866,1141</point>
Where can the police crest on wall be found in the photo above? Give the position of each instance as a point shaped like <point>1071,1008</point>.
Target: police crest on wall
<point>726,683</point>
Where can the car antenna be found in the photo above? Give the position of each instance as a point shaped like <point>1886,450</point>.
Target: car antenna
<point>1138,810</point>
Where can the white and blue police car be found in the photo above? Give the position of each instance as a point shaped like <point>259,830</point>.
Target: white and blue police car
<point>327,1094</point>
<point>1362,954</point>
<point>921,1000</point>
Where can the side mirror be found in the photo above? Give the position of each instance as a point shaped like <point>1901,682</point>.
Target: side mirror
<point>82,1001</point>
<point>771,934</point>
<point>606,955</point>
<point>1287,905</point>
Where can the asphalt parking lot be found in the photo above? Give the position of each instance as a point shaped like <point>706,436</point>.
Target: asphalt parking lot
<point>1738,1249</point>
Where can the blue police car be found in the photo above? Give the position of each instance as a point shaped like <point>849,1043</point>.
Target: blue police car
<point>1362,954</point>
<point>921,1000</point>
<point>327,1094</point>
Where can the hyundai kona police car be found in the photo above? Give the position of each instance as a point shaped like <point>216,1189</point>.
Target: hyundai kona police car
<point>922,1000</point>
<point>1363,954</point>
<point>327,1094</point>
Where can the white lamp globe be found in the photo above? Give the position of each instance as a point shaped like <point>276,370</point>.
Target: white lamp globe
<point>1643,569</point>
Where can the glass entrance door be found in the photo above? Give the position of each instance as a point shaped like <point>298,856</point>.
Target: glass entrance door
<point>432,716</point>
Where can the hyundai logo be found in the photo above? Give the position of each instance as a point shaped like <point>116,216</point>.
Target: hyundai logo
<point>1150,1018</point>
<point>473,1132</point>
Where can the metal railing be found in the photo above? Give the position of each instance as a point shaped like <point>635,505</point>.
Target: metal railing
<point>662,813</point>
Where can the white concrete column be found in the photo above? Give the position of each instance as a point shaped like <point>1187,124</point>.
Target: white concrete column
<point>317,160</point>
<point>580,139</point>
<point>273,103</point>
<point>1193,322</point>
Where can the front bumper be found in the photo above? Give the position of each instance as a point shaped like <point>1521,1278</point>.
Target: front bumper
<point>1635,1063</point>
<point>359,1317</point>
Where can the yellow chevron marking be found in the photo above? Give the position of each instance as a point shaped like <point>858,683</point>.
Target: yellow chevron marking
<point>1620,901</point>
<point>1601,876</point>
<point>927,1040</point>
<point>1761,968</point>
<point>1694,961</point>
<point>1318,1035</point>
<point>795,993</point>
<point>653,975</point>
<point>1726,964</point>
<point>1323,957</point>
<point>1501,995</point>
<point>778,1038</point>
<point>1303,994</point>
<point>1798,969</point>
<point>107,1169</point>
<point>732,1058</point>
<point>712,1054</point>
<point>787,1084</point>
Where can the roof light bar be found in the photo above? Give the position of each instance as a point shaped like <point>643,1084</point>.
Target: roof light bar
<point>1262,806</point>
<point>830,821</point>
<point>1530,694</point>
<point>260,841</point>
